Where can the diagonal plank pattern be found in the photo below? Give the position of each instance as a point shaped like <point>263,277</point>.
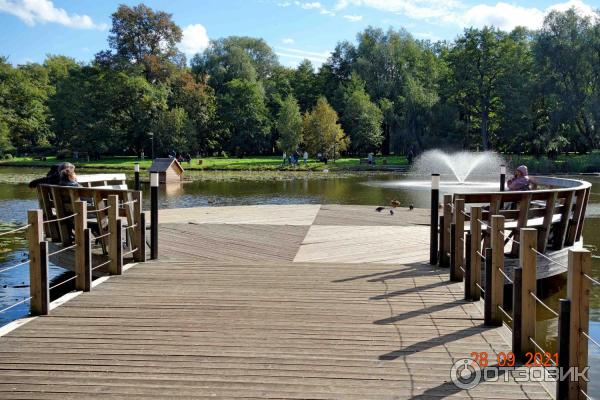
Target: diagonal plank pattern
<point>273,308</point>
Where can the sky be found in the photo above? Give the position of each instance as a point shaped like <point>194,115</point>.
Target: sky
<point>295,29</point>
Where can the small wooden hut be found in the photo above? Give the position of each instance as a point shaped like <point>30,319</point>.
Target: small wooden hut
<point>169,170</point>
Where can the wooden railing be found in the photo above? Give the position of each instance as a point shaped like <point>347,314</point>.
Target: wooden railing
<point>117,232</point>
<point>556,205</point>
<point>464,251</point>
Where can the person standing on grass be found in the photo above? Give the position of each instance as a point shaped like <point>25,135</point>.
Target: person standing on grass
<point>284,157</point>
<point>305,157</point>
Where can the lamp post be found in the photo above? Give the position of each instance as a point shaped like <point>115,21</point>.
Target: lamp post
<point>435,201</point>
<point>502,177</point>
<point>136,170</point>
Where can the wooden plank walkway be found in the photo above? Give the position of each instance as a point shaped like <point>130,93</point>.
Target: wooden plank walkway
<point>251,327</point>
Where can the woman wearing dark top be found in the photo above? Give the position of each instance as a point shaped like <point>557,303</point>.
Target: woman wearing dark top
<point>68,176</point>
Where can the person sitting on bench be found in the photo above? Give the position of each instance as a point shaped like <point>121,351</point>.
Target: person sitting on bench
<point>520,182</point>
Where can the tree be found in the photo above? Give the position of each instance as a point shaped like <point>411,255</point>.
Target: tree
<point>305,85</point>
<point>138,32</point>
<point>321,131</point>
<point>141,36</point>
<point>244,113</point>
<point>23,95</point>
<point>289,125</point>
<point>361,118</point>
<point>567,52</point>
<point>476,61</point>
<point>235,57</point>
<point>200,104</point>
<point>173,130</point>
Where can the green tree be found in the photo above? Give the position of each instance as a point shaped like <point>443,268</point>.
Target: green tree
<point>476,62</point>
<point>200,104</point>
<point>244,113</point>
<point>289,125</point>
<point>361,118</point>
<point>566,51</point>
<point>235,57</point>
<point>142,36</point>
<point>305,85</point>
<point>23,95</point>
<point>321,131</point>
<point>173,130</point>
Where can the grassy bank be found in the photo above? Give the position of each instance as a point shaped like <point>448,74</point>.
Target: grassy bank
<point>565,163</point>
<point>257,163</point>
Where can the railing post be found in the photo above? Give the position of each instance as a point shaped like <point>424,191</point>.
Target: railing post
<point>497,279</point>
<point>435,201</point>
<point>487,304</point>
<point>115,249</point>
<point>453,253</point>
<point>441,255</point>
<point>38,264</point>
<point>528,265</point>
<point>475,265</point>
<point>153,215</point>
<point>517,314</point>
<point>446,229</point>
<point>468,275</point>
<point>578,291</point>
<point>142,238</point>
<point>137,216</point>
<point>564,321</point>
<point>459,244</point>
<point>83,280</point>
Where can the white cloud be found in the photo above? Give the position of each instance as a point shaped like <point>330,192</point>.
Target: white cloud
<point>353,18</point>
<point>285,4</point>
<point>508,16</point>
<point>195,39</point>
<point>503,15</point>
<point>419,9</point>
<point>287,41</point>
<point>34,12</point>
<point>580,6</point>
<point>315,5</point>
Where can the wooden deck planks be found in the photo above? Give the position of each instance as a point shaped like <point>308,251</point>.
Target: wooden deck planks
<point>304,307</point>
<point>280,330</point>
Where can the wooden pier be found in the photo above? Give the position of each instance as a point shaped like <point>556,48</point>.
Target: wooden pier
<point>304,301</point>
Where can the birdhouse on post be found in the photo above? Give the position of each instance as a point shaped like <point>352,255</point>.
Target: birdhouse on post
<point>169,170</point>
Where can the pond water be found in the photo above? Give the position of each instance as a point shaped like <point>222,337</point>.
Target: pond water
<point>271,188</point>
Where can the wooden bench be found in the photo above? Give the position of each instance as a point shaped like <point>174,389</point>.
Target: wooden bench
<point>57,202</point>
<point>555,207</point>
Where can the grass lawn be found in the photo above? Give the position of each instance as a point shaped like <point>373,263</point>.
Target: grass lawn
<point>212,163</point>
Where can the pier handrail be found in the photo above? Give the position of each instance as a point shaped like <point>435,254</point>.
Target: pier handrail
<point>562,203</point>
<point>37,231</point>
<point>573,315</point>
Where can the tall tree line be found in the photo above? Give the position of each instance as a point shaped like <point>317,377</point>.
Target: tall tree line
<point>523,91</point>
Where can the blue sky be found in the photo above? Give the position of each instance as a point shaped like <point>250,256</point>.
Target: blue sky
<point>30,29</point>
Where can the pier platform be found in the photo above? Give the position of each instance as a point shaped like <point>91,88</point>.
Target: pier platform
<point>286,302</point>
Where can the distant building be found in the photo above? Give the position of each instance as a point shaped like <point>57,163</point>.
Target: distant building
<point>169,170</point>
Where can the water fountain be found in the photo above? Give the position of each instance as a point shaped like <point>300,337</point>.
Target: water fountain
<point>460,171</point>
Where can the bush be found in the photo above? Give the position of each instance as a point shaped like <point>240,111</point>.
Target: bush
<point>8,156</point>
<point>63,154</point>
